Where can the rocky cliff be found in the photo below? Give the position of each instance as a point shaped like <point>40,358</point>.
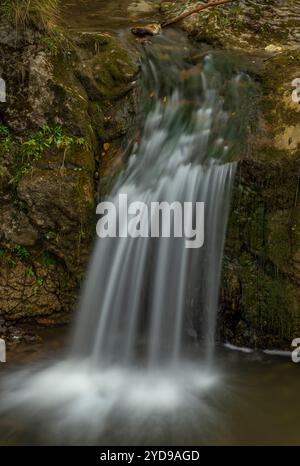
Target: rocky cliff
<point>261,279</point>
<point>69,106</point>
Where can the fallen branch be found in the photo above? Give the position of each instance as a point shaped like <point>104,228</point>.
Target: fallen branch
<point>194,10</point>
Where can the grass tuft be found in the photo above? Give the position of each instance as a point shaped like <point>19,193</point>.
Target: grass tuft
<point>42,14</point>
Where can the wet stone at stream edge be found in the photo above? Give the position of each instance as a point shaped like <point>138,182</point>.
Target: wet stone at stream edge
<point>148,30</point>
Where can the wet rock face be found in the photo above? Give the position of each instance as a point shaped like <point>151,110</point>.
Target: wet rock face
<point>261,275</point>
<point>260,305</point>
<point>261,285</point>
<point>26,296</point>
<point>59,201</point>
<point>242,24</point>
<point>63,104</point>
<point>15,227</point>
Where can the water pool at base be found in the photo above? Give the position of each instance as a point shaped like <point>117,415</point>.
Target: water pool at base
<point>251,399</point>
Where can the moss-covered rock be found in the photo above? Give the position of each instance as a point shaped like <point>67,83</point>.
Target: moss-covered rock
<point>67,97</point>
<point>240,24</point>
<point>261,286</point>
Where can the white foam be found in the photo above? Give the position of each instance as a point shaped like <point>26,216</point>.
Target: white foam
<point>70,394</point>
<point>278,353</point>
<point>238,348</point>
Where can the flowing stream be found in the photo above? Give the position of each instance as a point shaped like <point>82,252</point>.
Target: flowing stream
<point>146,289</point>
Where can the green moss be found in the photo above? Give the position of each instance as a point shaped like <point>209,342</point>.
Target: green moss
<point>48,142</point>
<point>48,259</point>
<point>279,239</point>
<point>58,44</point>
<point>6,141</point>
<point>5,258</point>
<point>107,75</point>
<point>279,72</point>
<point>261,270</point>
<point>267,302</point>
<point>4,132</point>
<point>243,24</point>
<point>248,218</point>
<point>11,254</point>
<point>94,42</point>
<point>85,78</point>
<point>21,252</point>
<point>29,272</point>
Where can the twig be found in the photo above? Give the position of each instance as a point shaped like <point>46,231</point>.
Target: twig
<point>194,10</point>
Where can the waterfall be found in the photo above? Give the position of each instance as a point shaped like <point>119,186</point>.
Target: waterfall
<point>148,302</point>
<point>144,296</point>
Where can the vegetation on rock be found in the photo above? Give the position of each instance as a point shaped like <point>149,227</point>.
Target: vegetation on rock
<point>70,104</point>
<point>261,281</point>
<point>27,13</point>
<point>63,105</point>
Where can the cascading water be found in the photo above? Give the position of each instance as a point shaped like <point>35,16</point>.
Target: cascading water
<point>142,289</point>
<point>147,301</point>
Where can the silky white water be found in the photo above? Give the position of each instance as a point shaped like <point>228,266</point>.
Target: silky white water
<point>148,295</point>
<point>148,302</point>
